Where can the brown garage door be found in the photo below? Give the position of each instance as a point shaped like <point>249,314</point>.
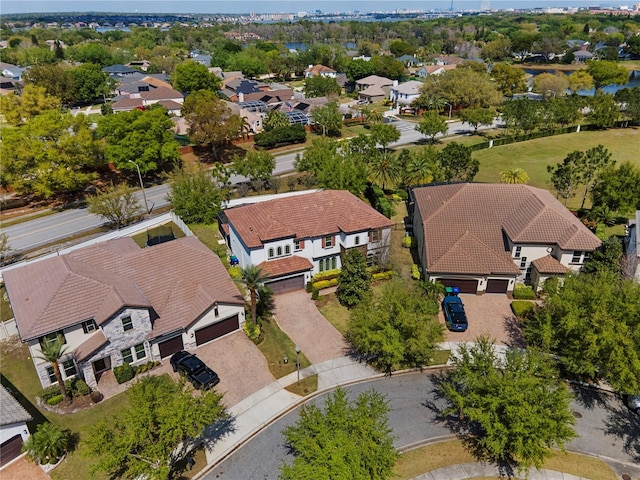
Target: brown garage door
<point>217,330</point>
<point>465,285</point>
<point>287,285</point>
<point>10,450</point>
<point>171,346</point>
<point>495,285</point>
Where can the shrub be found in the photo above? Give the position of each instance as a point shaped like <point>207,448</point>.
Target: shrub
<point>409,242</point>
<point>524,292</point>
<point>325,284</point>
<point>309,286</point>
<point>50,392</point>
<point>551,285</point>
<point>415,272</point>
<point>235,271</point>
<point>56,399</point>
<point>388,275</point>
<point>402,194</point>
<point>123,373</point>
<point>315,293</point>
<point>80,388</point>
<point>522,308</point>
<point>281,136</point>
<point>328,275</point>
<point>252,331</point>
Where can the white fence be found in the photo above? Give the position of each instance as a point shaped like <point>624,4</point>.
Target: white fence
<point>8,329</point>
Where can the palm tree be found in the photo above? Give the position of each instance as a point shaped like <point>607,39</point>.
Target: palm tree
<point>252,278</point>
<point>52,351</point>
<point>384,168</point>
<point>374,116</point>
<point>47,444</point>
<point>514,176</point>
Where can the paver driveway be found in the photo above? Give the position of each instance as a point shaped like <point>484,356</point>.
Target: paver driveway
<point>299,318</point>
<point>488,314</point>
<point>242,368</point>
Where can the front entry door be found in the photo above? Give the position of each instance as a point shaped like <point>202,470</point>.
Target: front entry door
<point>101,365</point>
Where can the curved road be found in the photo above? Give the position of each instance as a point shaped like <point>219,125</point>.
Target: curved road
<point>605,427</point>
<point>55,228</point>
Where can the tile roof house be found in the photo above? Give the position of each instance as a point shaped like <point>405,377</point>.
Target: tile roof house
<point>294,237</point>
<point>13,426</point>
<point>486,237</point>
<point>374,88</point>
<point>114,302</point>
<point>427,70</point>
<point>320,71</point>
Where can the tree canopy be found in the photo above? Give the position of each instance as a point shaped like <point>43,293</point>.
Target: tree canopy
<point>354,280</point>
<point>191,76</point>
<point>195,195</point>
<point>117,204</point>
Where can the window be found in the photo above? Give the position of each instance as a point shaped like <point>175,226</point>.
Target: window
<point>279,251</point>
<point>127,356</point>
<point>333,263</point>
<point>327,242</point>
<point>52,338</point>
<point>518,252</point>
<point>52,375</point>
<point>321,265</point>
<point>287,249</point>
<point>375,236</point>
<point>140,351</point>
<point>357,240</point>
<point>89,326</point>
<point>523,262</point>
<point>127,323</point>
<point>69,368</point>
<point>577,257</point>
<point>216,312</point>
<point>271,253</point>
<point>298,245</point>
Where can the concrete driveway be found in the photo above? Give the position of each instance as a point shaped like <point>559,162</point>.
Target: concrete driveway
<point>299,318</point>
<point>489,314</point>
<point>241,366</point>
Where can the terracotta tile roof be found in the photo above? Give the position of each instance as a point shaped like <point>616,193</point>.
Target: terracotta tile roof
<point>161,93</point>
<point>180,280</point>
<point>305,216</point>
<point>549,264</point>
<point>284,266</point>
<point>127,104</point>
<point>319,69</point>
<point>86,349</point>
<point>12,411</point>
<point>470,220</point>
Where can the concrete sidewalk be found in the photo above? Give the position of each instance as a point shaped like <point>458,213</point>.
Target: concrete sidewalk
<point>263,407</point>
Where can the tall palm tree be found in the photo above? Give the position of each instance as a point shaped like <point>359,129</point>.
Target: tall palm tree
<point>252,278</point>
<point>514,176</point>
<point>52,351</point>
<point>374,116</point>
<point>384,168</point>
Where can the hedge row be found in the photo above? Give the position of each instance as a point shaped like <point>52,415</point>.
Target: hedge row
<point>76,387</point>
<point>279,137</point>
<point>328,275</point>
<point>388,275</point>
<point>524,292</point>
<point>325,284</point>
<point>522,308</point>
<point>379,201</point>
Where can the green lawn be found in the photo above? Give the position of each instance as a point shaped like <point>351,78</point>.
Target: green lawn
<point>449,453</point>
<point>166,229</point>
<point>5,307</point>
<point>534,155</point>
<point>276,346</point>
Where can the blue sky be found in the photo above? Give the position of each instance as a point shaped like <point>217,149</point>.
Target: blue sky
<point>268,6</point>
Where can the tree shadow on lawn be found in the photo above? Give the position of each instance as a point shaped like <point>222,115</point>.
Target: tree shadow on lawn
<point>625,425</point>
<point>469,433</point>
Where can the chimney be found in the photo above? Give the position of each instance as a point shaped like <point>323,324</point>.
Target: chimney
<point>241,97</point>
<point>395,83</point>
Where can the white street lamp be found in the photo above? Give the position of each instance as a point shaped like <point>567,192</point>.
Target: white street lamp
<point>450,107</point>
<point>144,195</point>
<point>298,362</point>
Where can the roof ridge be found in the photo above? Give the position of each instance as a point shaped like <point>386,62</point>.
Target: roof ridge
<point>447,201</point>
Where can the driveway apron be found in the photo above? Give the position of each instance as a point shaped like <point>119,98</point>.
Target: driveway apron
<point>299,318</point>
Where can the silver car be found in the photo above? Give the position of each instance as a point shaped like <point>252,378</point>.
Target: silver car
<point>633,402</point>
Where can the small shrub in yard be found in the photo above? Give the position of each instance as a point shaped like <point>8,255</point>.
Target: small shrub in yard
<point>328,275</point>
<point>522,308</point>
<point>77,387</point>
<point>252,331</point>
<point>123,373</point>
<point>235,271</point>
<point>524,292</point>
<point>409,242</point>
<point>325,284</point>
<point>388,275</point>
<point>415,272</point>
<point>56,399</point>
<point>315,293</point>
<point>50,392</point>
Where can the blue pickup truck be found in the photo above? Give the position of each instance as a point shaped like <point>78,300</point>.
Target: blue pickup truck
<point>454,315</point>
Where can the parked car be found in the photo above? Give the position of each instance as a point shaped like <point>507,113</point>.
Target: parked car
<point>633,402</point>
<point>195,370</point>
<point>454,315</point>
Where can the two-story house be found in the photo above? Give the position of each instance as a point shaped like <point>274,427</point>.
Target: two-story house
<point>320,71</point>
<point>483,238</point>
<point>114,302</point>
<point>406,92</point>
<point>293,238</point>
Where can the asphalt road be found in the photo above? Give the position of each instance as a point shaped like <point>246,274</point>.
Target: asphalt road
<point>605,427</point>
<point>55,228</point>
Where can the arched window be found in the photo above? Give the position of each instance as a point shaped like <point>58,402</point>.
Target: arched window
<point>271,253</point>
<point>287,250</point>
<point>279,251</point>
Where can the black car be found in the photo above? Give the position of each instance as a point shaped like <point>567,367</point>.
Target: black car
<point>201,376</point>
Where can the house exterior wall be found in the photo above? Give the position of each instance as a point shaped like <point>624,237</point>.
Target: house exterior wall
<point>11,430</point>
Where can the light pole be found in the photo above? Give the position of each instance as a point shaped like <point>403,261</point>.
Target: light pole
<point>298,362</point>
<point>144,195</point>
<point>450,107</point>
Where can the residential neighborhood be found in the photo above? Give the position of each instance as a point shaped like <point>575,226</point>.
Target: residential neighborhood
<point>230,242</point>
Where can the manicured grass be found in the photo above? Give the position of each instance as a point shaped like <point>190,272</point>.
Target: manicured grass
<point>275,347</point>
<point>401,258</point>
<point>5,307</point>
<point>534,155</point>
<point>166,229</point>
<point>306,386</point>
<point>210,236</point>
<point>337,315</point>
<point>449,453</point>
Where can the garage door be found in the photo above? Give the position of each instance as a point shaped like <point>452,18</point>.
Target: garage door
<point>465,286</point>
<point>287,285</point>
<point>217,330</point>
<point>171,346</point>
<point>10,450</point>
<point>497,286</point>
